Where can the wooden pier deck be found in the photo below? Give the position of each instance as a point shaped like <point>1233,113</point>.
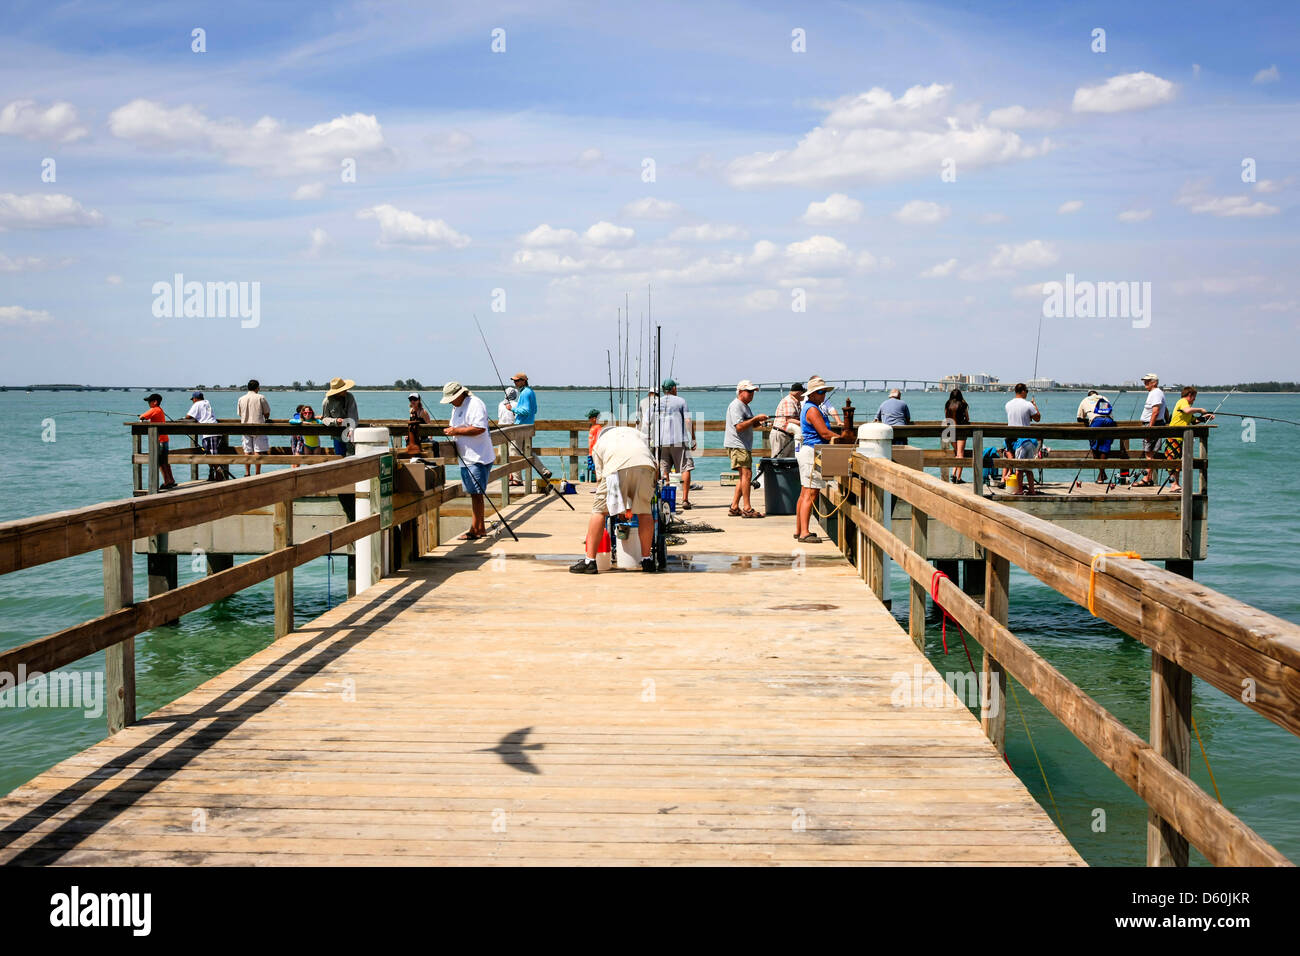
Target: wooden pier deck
<point>484,706</point>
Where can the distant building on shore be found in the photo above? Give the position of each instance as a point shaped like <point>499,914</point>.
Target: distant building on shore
<point>979,382</point>
<point>1041,384</point>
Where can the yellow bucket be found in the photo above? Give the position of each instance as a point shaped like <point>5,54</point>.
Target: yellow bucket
<point>1013,482</point>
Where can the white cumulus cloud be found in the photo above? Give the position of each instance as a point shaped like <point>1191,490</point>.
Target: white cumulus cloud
<point>1268,75</point>
<point>319,240</point>
<point>1231,207</point>
<point>55,123</point>
<point>1072,205</point>
<point>1134,215</point>
<point>920,212</point>
<point>266,145</point>
<point>44,211</point>
<point>874,137</point>
<point>309,191</point>
<point>939,270</point>
<point>1129,91</point>
<point>402,227</point>
<point>607,234</point>
<point>544,237</point>
<point>835,208</point>
<point>1010,258</point>
<point>651,208</point>
<point>17,315</point>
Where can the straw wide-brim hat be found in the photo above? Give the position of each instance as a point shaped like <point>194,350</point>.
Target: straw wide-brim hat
<point>817,384</point>
<point>339,385</point>
<point>452,391</point>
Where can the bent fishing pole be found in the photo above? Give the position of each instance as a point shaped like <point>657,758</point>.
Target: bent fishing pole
<point>1262,418</point>
<point>542,471</point>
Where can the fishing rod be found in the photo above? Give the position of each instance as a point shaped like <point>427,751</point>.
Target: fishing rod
<point>1222,400</point>
<point>1262,418</point>
<point>609,371</point>
<point>540,467</point>
<point>673,364</point>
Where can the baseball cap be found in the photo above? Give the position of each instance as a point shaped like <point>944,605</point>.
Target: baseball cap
<point>669,383</point>
<point>1149,376</point>
<point>745,385</point>
<point>196,395</point>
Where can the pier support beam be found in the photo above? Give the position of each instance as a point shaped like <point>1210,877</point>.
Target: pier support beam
<point>875,553</point>
<point>997,602</point>
<point>220,562</point>
<point>119,659</point>
<point>972,576</point>
<point>1171,737</point>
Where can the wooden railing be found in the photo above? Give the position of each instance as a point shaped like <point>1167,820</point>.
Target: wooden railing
<point>1252,656</point>
<point>113,527</point>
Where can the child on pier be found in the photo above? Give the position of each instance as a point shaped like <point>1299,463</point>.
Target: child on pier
<point>156,414</point>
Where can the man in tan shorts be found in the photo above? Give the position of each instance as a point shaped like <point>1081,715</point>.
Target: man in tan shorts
<point>621,454</point>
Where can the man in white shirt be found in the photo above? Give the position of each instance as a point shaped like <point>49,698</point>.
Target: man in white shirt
<point>201,411</point>
<point>254,410</point>
<point>1154,413</point>
<point>676,437</point>
<point>623,452</point>
<point>1023,412</point>
<point>469,428</point>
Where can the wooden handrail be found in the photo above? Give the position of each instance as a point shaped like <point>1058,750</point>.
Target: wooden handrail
<point>1185,624</point>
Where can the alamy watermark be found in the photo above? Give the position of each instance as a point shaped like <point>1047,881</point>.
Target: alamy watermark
<point>919,689</point>
<point>208,300</point>
<point>76,690</point>
<point>1098,300</point>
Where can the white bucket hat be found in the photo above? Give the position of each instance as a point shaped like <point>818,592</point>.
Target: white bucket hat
<point>817,384</point>
<point>452,391</point>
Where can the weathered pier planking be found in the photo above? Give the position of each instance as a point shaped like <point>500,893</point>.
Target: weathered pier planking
<point>483,705</point>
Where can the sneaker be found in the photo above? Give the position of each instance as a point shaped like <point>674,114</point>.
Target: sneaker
<point>648,565</point>
<point>584,567</point>
<point>697,487</point>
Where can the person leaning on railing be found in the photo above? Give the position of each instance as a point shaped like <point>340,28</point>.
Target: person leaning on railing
<point>340,408</point>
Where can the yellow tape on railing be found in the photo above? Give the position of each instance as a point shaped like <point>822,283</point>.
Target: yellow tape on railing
<point>1092,573</point>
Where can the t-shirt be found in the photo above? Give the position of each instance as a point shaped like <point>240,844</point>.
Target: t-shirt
<point>1020,411</point>
<point>473,449</point>
<point>672,420</point>
<point>526,407</point>
<point>1084,412</point>
<point>738,412</point>
<point>1155,397</point>
<point>593,434</point>
<point>201,412</point>
<point>156,414</point>
<point>1181,416</point>
<point>505,413</point>
<point>253,409</point>
<point>894,411</point>
<point>619,447</point>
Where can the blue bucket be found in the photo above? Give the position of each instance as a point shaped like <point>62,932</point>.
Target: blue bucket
<point>669,494</point>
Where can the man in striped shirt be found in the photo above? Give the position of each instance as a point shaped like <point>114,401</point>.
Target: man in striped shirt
<point>787,416</point>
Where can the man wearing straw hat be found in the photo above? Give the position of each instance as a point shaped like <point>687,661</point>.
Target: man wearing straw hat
<point>340,408</point>
<point>468,427</point>
<point>813,433</point>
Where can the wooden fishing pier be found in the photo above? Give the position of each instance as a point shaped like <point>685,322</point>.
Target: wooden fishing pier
<point>471,706</point>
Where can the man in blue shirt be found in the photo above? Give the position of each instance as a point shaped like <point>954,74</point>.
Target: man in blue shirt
<point>894,411</point>
<point>526,406</point>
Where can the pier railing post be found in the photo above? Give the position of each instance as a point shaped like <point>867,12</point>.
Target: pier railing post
<point>977,462</point>
<point>916,607</point>
<point>1185,504</point>
<point>875,553</point>
<point>505,479</point>
<point>1171,737</point>
<point>119,659</point>
<point>993,679</point>
<point>282,532</point>
<point>573,456</point>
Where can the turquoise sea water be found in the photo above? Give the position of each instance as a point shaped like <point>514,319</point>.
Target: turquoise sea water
<point>1254,533</point>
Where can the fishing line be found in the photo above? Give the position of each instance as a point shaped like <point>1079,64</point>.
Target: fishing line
<point>1262,418</point>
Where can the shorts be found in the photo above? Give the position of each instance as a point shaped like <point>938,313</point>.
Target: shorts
<point>637,485</point>
<point>689,464</point>
<point>474,477</point>
<point>810,475</point>
<point>1173,449</point>
<point>162,453</point>
<point>253,444</point>
<point>297,445</point>
<point>211,444</point>
<point>674,456</point>
<point>781,444</point>
<point>741,458</point>
<point>1027,449</point>
<point>1151,446</point>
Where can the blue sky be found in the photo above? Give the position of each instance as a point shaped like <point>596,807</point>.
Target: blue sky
<point>780,177</point>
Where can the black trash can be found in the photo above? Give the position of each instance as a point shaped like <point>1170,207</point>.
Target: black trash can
<point>780,479</point>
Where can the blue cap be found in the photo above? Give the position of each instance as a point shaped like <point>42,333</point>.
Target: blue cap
<point>196,394</point>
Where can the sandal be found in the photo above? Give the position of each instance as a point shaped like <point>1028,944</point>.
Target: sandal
<point>751,513</point>
<point>687,506</point>
<point>734,512</point>
<point>470,536</point>
<point>810,538</point>
<point>1143,484</point>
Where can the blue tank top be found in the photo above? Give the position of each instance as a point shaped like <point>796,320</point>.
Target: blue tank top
<point>810,436</point>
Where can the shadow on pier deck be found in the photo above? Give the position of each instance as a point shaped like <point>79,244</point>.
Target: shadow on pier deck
<point>483,705</point>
